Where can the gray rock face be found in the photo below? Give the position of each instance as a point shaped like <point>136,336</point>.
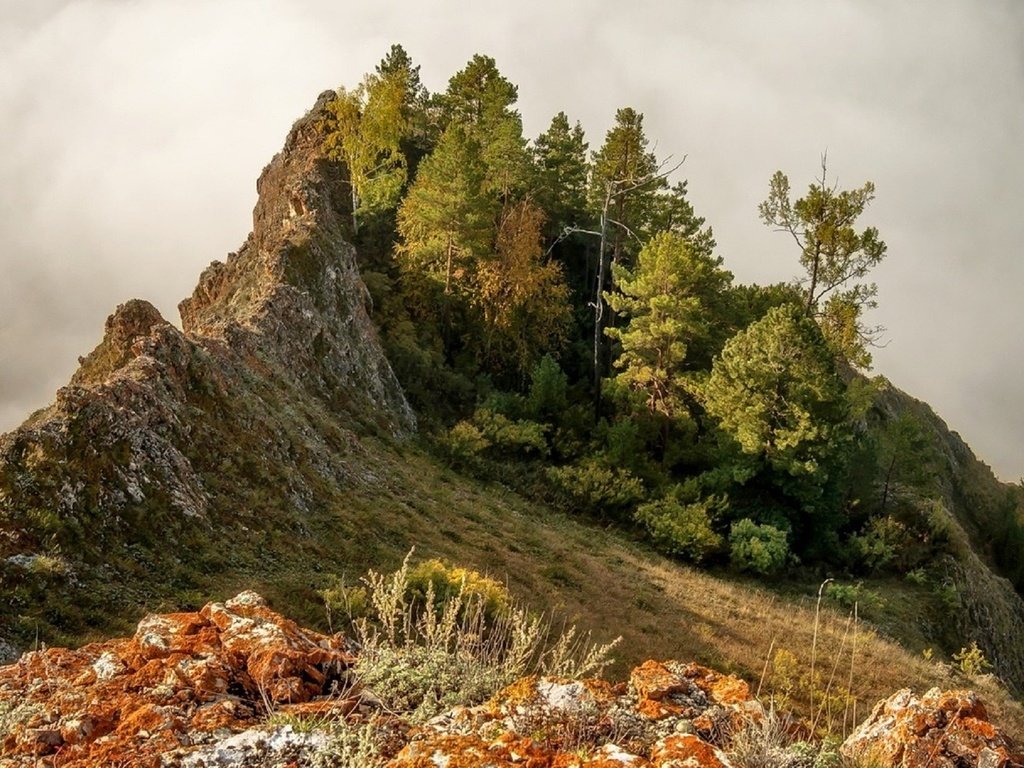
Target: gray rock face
<point>294,285</point>
<point>161,433</point>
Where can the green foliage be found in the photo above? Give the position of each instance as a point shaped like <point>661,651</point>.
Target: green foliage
<point>850,595</point>
<point>762,549</point>
<point>522,437</point>
<point>560,156</point>
<point>464,442</point>
<point>365,130</point>
<point>971,660</point>
<point>480,100</point>
<point>775,390</point>
<point>681,529</point>
<point>446,221</point>
<point>670,299</point>
<point>591,486</point>
<point>834,255</point>
<point>549,387</point>
<point>623,182</point>
<point>883,539</point>
<point>494,435</point>
<point>451,582</point>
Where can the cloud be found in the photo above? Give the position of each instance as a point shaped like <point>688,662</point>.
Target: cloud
<point>133,132</point>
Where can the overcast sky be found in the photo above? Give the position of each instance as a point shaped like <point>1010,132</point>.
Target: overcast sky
<point>132,131</point>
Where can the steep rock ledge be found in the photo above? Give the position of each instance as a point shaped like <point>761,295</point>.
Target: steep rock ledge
<point>247,419</point>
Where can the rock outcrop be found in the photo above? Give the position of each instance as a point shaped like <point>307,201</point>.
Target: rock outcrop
<point>942,729</point>
<point>236,684</point>
<point>240,423</point>
<point>182,681</point>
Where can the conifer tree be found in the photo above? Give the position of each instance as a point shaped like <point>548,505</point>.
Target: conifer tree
<point>446,220</point>
<point>835,257</point>
<point>624,182</point>
<point>481,100</point>
<point>670,301</point>
<point>560,155</point>
<point>775,389</point>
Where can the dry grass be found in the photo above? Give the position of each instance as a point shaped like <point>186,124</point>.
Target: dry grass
<point>597,579</point>
<point>607,584</point>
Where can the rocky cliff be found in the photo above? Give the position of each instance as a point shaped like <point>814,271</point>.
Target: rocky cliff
<point>164,436</point>
<point>970,507</point>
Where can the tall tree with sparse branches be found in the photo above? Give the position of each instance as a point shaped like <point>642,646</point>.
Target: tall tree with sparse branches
<point>834,254</point>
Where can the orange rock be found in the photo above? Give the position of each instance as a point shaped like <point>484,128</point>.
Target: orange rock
<point>942,729</point>
<point>687,751</point>
<point>179,676</point>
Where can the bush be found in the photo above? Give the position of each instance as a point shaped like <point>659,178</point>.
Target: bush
<point>849,595</point>
<point>548,390</point>
<point>971,661</point>
<point>680,529</point>
<point>757,548</point>
<point>507,436</point>
<point>424,658</point>
<point>453,583</point>
<point>880,542</point>
<point>464,443</point>
<point>592,487</point>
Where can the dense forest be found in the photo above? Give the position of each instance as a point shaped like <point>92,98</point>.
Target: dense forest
<point>559,318</point>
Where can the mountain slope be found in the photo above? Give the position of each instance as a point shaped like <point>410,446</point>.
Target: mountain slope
<point>266,445</point>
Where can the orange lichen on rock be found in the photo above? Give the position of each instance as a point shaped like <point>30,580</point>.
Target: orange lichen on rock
<point>181,677</point>
<point>939,730</point>
<point>687,751</point>
<point>196,689</point>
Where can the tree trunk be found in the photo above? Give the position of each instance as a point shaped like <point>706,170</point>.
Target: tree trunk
<point>599,304</point>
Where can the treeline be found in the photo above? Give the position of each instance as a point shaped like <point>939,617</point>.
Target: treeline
<point>560,319</point>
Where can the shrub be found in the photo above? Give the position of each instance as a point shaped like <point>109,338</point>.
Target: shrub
<point>849,595</point>
<point>452,583</point>
<point>548,390</point>
<point>592,487</point>
<point>971,661</point>
<point>680,529</point>
<point>423,659</point>
<point>352,745</point>
<point>508,436</point>
<point>879,543</point>
<point>757,548</point>
<point>464,443</point>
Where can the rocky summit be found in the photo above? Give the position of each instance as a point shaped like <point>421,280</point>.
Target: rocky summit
<point>236,684</point>
<point>165,436</point>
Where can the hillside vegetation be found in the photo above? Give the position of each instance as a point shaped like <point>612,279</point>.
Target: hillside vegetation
<point>601,410</point>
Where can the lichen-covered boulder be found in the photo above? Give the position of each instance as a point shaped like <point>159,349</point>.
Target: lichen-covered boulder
<point>182,680</point>
<point>942,729</point>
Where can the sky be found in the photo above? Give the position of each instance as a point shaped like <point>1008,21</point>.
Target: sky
<point>132,132</point>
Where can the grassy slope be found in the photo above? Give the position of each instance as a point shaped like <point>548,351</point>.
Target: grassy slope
<point>595,578</point>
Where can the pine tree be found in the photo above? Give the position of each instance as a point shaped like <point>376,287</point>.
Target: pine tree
<point>481,100</point>
<point>560,156</point>
<point>446,220</point>
<point>834,255</point>
<point>671,300</point>
<point>624,182</point>
<point>775,389</point>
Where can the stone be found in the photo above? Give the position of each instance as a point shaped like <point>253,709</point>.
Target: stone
<point>181,679</point>
<point>942,729</point>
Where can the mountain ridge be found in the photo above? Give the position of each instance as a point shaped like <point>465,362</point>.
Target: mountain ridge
<point>250,419</point>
